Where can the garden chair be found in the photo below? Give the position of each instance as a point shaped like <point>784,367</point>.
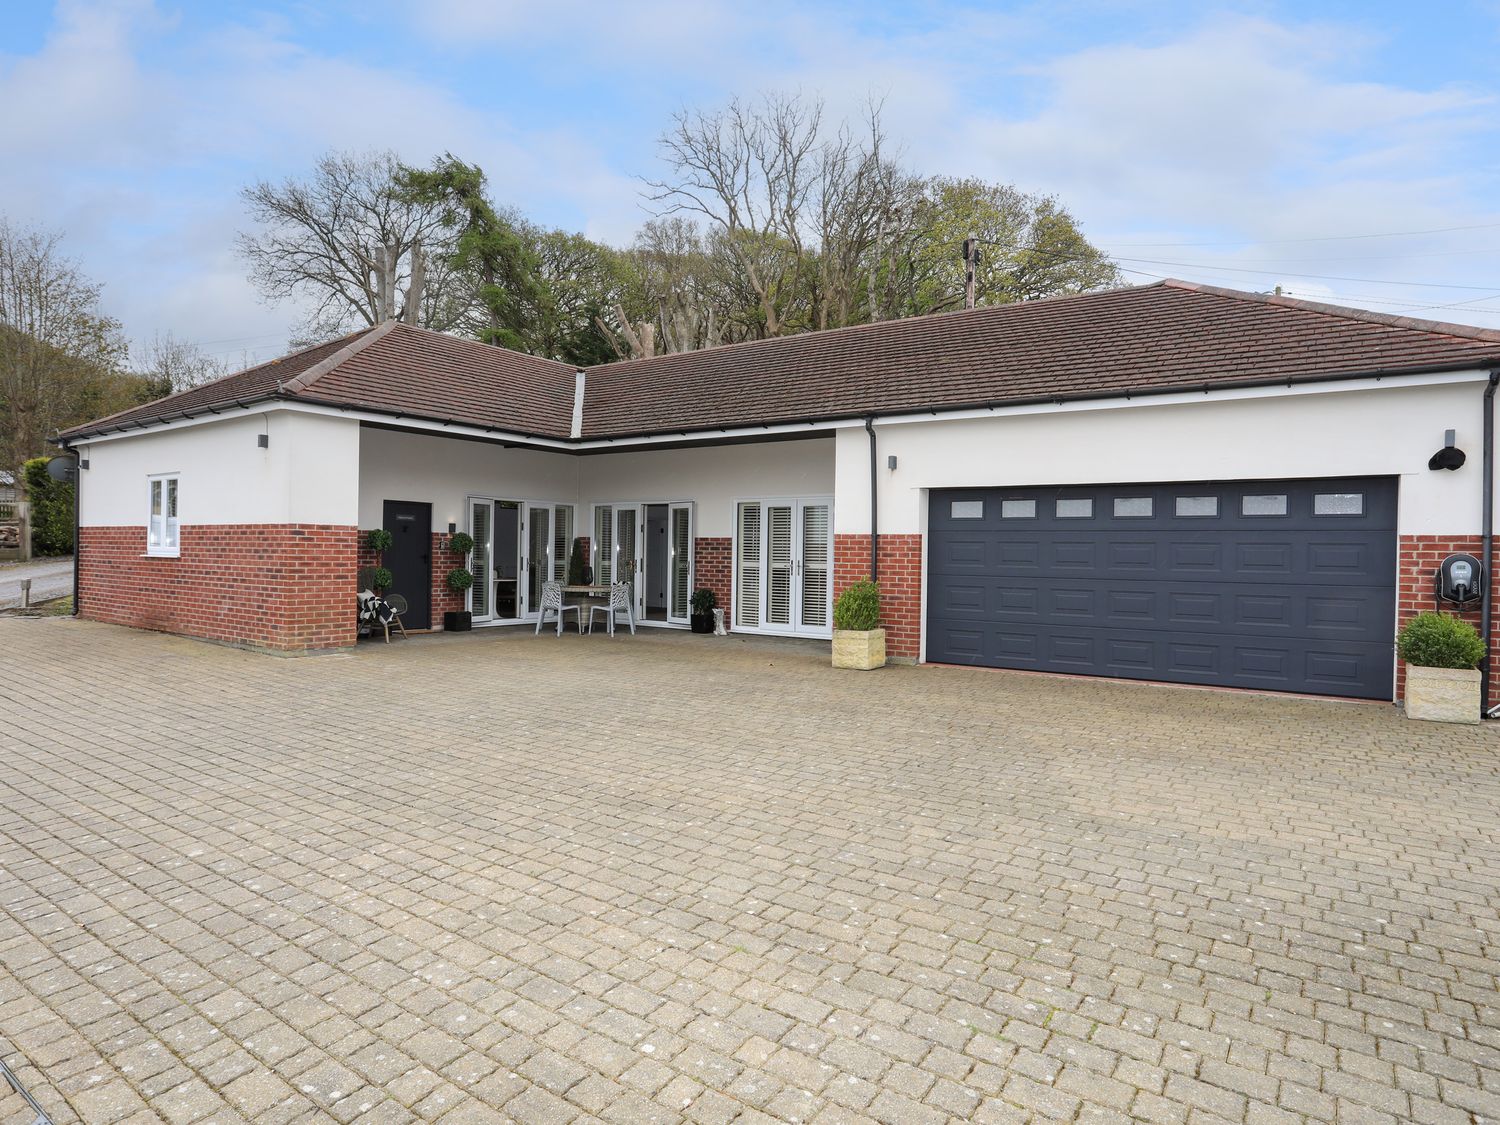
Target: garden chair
<point>552,602</point>
<point>619,602</point>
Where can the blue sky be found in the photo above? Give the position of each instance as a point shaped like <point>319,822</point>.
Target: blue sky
<point>1237,144</point>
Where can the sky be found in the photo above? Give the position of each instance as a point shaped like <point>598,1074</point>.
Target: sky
<point>1344,151</point>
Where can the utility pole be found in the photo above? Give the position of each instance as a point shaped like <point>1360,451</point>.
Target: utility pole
<point>971,261</point>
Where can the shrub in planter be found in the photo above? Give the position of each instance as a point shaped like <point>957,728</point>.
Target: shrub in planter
<point>1442,654</point>
<point>459,579</point>
<point>858,640</point>
<point>460,543</point>
<point>703,601</point>
<point>381,579</point>
<point>379,540</point>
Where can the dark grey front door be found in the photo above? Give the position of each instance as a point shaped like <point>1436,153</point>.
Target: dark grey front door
<point>410,558</point>
<point>1279,585</point>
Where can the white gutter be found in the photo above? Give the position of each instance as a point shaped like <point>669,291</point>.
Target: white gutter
<point>785,429</point>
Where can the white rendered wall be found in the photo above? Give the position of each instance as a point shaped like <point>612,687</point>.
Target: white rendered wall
<point>714,477</point>
<point>307,474</point>
<point>445,472</point>
<point>1386,432</point>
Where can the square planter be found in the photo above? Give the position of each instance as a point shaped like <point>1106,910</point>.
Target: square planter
<point>457,621</point>
<point>862,649</point>
<point>1442,695</point>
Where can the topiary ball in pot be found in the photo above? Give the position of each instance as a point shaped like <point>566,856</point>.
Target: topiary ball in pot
<point>460,543</point>
<point>381,578</point>
<point>378,539</point>
<point>459,579</point>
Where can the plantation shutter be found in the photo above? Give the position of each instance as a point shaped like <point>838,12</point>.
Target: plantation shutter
<point>682,559</point>
<point>747,577</point>
<point>604,544</point>
<point>562,541</point>
<point>779,554</point>
<point>815,565</point>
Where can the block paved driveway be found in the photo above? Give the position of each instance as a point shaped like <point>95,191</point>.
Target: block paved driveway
<point>493,878</point>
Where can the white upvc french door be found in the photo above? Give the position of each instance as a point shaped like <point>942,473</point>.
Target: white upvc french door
<point>618,548</point>
<point>518,545</point>
<point>481,593</point>
<point>783,559</point>
<point>679,562</point>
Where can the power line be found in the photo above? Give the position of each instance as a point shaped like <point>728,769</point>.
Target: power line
<point>1321,238</point>
<point>1307,276</point>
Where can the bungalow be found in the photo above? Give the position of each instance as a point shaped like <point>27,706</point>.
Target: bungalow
<point>1172,482</point>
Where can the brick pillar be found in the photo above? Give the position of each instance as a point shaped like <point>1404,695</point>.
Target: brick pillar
<point>444,600</point>
<point>1419,557</point>
<point>900,585</point>
<point>712,567</point>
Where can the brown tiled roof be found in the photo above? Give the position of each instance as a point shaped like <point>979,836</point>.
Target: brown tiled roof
<point>251,385</point>
<point>394,369</point>
<point>1172,335</point>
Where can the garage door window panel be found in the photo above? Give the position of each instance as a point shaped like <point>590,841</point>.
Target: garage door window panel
<point>1133,507</point>
<point>1263,504</point>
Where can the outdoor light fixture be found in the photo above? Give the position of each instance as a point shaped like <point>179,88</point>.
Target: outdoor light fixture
<point>891,462</point>
<point>452,527</point>
<point>263,440</point>
<point>1450,456</point>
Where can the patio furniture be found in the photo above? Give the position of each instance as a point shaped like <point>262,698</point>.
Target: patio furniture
<point>375,610</point>
<point>398,607</point>
<point>619,602</point>
<point>552,602</point>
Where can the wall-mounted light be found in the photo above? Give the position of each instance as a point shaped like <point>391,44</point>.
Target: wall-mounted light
<point>263,440</point>
<point>890,462</point>
<point>452,527</point>
<point>1450,456</point>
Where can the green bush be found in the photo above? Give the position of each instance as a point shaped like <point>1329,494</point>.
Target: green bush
<point>459,579</point>
<point>378,539</point>
<point>461,543</point>
<point>703,601</point>
<point>858,607</point>
<point>381,578</point>
<point>1437,640</point>
<point>51,509</point>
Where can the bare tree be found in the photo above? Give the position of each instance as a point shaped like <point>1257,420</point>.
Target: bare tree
<point>351,243</point>
<point>59,354</point>
<point>174,365</point>
<point>749,170</point>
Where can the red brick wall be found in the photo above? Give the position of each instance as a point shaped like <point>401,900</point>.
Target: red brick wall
<point>444,600</point>
<point>1418,561</point>
<point>712,567</point>
<point>900,585</point>
<point>281,586</point>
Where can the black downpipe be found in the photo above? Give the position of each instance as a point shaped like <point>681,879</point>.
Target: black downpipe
<point>1487,529</point>
<point>77,539</point>
<point>874,534</point>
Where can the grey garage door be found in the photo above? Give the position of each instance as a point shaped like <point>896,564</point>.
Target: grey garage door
<point>1279,585</point>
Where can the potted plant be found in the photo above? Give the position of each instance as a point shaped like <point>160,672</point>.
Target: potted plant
<point>378,540</point>
<point>858,640</point>
<point>1442,655</point>
<point>703,602</point>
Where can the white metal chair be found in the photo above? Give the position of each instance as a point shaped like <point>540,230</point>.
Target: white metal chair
<point>619,602</point>
<point>552,602</point>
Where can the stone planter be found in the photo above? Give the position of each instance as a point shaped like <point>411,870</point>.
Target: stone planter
<point>1442,695</point>
<point>862,649</point>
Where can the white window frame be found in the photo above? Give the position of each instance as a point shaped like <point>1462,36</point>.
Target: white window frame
<point>169,545</point>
